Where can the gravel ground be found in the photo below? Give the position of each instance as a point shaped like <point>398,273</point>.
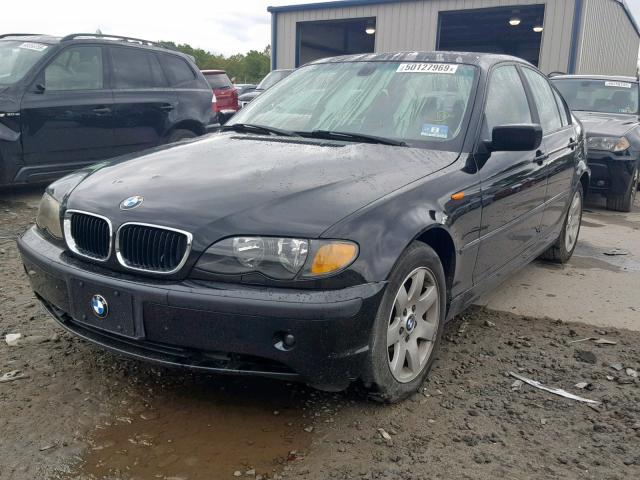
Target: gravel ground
<point>85,413</point>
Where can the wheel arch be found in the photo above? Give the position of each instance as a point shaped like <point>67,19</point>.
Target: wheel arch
<point>191,125</point>
<point>441,241</point>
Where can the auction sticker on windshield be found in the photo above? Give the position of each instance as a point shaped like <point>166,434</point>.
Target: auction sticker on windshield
<point>38,47</point>
<point>617,84</point>
<point>427,68</point>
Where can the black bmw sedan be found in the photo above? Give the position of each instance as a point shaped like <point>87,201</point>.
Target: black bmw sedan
<point>329,231</point>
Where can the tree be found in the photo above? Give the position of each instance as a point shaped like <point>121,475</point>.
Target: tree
<point>244,68</point>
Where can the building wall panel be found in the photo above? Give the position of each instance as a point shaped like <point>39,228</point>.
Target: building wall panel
<point>608,41</point>
<point>413,25</point>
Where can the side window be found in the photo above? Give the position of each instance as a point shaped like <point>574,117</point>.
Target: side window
<point>76,68</point>
<point>506,100</point>
<point>136,68</point>
<point>178,70</point>
<point>545,101</point>
<point>564,113</point>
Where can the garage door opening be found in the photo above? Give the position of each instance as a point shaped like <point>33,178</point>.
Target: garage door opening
<point>334,37</point>
<point>513,30</point>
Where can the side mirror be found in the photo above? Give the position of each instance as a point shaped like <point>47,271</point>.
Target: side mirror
<point>515,138</point>
<point>39,88</point>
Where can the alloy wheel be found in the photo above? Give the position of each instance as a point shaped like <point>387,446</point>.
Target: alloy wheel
<point>413,325</point>
<point>573,222</point>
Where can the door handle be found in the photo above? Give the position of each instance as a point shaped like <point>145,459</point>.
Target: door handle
<point>540,157</point>
<point>167,107</point>
<point>101,110</point>
<point>572,143</point>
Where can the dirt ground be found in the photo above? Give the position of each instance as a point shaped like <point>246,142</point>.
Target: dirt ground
<point>85,413</point>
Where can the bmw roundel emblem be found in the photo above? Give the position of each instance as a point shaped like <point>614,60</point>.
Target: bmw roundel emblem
<point>99,306</point>
<point>131,202</point>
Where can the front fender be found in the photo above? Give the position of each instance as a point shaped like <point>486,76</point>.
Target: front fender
<point>385,228</point>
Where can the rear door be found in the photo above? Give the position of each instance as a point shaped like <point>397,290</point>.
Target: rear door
<point>560,145</point>
<point>69,123</point>
<point>144,103</point>
<point>513,183</point>
<point>194,93</point>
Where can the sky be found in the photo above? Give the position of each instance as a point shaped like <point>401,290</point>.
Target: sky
<point>220,26</point>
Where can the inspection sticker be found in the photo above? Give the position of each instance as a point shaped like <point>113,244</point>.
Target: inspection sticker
<point>617,84</point>
<point>436,131</point>
<point>427,68</point>
<point>38,47</point>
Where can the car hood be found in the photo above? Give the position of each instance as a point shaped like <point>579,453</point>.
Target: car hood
<point>606,124</point>
<point>230,184</point>
<point>249,95</point>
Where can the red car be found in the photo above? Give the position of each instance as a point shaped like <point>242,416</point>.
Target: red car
<point>226,95</point>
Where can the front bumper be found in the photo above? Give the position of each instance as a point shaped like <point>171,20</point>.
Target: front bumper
<point>214,327</point>
<point>611,174</point>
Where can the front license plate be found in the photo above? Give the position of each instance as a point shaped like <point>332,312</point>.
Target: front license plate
<point>102,307</point>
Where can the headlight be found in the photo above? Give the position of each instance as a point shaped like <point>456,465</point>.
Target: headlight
<point>278,258</point>
<point>48,218</point>
<point>611,144</point>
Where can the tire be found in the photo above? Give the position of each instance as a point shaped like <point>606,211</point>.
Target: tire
<point>179,134</point>
<point>389,376</point>
<point>624,203</point>
<point>563,248</point>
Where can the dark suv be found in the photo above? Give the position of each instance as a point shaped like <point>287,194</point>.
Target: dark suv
<point>608,107</point>
<point>68,102</point>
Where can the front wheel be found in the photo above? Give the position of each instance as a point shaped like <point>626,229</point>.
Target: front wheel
<point>563,248</point>
<point>408,325</point>
<point>624,203</point>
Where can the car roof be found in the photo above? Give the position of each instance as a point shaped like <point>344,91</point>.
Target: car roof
<point>484,60</point>
<point>616,78</point>
<point>94,38</point>
<point>31,37</point>
<point>210,72</point>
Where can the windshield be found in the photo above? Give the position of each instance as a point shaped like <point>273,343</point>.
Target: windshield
<point>273,78</point>
<point>606,96</point>
<point>17,58</point>
<point>410,102</point>
<point>218,80</point>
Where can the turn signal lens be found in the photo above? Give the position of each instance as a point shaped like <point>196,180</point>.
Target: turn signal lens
<point>331,257</point>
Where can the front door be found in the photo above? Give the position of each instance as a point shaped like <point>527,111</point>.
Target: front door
<point>144,103</point>
<point>560,143</point>
<point>513,183</point>
<point>67,114</point>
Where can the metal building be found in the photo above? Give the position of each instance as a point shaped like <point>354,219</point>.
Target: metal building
<point>572,36</point>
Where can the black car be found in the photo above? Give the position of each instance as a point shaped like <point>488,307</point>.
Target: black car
<point>267,82</point>
<point>329,231</point>
<point>608,108</point>
<point>69,102</point>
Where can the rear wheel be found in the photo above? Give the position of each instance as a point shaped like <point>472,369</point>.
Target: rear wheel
<point>408,325</point>
<point>180,134</point>
<point>562,250</point>
<point>624,203</point>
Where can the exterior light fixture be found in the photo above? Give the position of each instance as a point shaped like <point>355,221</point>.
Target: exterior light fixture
<point>370,30</point>
<point>514,21</point>
<point>538,28</point>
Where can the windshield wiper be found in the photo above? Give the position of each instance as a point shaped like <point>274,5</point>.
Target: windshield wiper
<point>353,137</point>
<point>250,127</point>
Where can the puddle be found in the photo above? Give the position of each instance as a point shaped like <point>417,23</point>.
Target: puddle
<point>201,433</point>
<point>590,256</point>
<point>586,223</point>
